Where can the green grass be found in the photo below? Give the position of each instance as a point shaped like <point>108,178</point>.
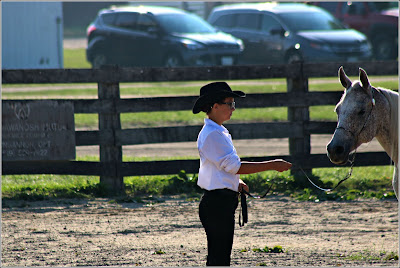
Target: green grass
<point>75,59</point>
<point>40,187</point>
<point>369,255</point>
<point>153,119</point>
<point>366,182</point>
<point>266,249</point>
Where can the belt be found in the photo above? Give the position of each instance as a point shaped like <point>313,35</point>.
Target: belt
<point>225,192</point>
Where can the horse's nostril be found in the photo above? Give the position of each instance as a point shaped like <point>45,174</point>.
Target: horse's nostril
<point>339,150</point>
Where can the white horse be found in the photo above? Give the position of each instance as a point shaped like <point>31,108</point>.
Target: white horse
<point>365,112</point>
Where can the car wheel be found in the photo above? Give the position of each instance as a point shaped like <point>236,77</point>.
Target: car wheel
<point>172,60</point>
<point>294,57</point>
<point>99,60</point>
<point>384,48</point>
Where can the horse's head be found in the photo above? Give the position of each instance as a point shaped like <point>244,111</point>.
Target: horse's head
<point>356,119</point>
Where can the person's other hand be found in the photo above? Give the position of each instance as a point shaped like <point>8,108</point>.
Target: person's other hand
<point>243,185</point>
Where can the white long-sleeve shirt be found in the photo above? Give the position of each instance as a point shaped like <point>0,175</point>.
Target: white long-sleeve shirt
<point>219,161</point>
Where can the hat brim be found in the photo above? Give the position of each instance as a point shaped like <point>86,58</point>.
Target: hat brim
<point>203,100</point>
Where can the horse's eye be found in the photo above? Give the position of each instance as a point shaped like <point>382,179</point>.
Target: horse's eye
<point>362,112</point>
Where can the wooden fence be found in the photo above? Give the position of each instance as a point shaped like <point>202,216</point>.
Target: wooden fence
<point>110,137</point>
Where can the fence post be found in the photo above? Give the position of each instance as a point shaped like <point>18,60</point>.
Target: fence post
<point>110,153</point>
<point>299,147</point>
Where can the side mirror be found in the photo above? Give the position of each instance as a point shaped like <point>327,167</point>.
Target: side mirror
<point>277,31</point>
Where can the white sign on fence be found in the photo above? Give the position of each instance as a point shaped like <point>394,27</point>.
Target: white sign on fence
<point>38,130</point>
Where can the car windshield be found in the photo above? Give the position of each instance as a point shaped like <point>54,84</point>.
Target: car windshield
<point>184,23</point>
<point>311,21</point>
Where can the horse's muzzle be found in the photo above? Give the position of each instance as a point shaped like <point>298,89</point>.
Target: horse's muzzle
<point>338,154</point>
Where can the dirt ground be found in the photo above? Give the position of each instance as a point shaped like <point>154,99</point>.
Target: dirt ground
<point>166,231</point>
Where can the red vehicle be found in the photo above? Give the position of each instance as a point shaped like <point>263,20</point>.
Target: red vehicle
<point>379,21</point>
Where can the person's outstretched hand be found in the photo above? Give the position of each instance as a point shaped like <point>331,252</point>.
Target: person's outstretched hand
<point>282,165</point>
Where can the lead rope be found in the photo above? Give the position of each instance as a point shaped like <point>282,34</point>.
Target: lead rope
<point>258,197</point>
<point>342,180</point>
<point>243,215</point>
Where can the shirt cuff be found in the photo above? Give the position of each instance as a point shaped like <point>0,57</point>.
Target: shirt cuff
<point>231,163</point>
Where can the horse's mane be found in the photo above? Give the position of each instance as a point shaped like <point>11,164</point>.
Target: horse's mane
<point>393,99</point>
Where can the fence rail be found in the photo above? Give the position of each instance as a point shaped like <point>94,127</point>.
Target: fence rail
<point>110,137</point>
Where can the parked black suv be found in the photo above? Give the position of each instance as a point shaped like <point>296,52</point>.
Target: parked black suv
<point>157,36</point>
<point>287,32</point>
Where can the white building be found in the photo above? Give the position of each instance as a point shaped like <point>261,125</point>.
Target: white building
<point>32,35</point>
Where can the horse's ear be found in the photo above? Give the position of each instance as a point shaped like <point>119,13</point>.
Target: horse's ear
<point>346,82</point>
<point>366,85</point>
<point>364,79</point>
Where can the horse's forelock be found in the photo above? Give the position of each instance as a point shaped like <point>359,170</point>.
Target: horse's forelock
<point>355,84</point>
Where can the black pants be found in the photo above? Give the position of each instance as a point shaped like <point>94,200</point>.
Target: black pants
<point>217,214</point>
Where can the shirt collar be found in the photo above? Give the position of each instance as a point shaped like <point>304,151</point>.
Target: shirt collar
<point>211,123</point>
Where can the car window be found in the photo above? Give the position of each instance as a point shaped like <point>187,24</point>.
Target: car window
<point>224,21</point>
<point>310,21</point>
<point>184,23</point>
<point>108,18</point>
<point>126,20</point>
<point>268,23</point>
<point>248,21</point>
<point>145,22</point>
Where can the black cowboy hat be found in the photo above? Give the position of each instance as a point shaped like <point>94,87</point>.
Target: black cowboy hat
<point>213,92</point>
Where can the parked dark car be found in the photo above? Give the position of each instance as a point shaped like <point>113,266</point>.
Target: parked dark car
<point>157,36</point>
<point>287,32</point>
<point>379,21</point>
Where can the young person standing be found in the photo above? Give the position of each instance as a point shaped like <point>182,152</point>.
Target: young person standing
<point>220,167</point>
